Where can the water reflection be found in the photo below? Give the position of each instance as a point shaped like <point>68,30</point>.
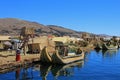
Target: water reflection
<point>109,53</point>
<point>97,50</point>
<point>59,70</point>
<point>101,65</point>
<point>24,73</point>
<point>27,73</point>
<point>44,70</point>
<point>17,74</point>
<point>65,70</point>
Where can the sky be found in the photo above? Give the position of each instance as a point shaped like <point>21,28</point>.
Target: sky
<point>94,16</point>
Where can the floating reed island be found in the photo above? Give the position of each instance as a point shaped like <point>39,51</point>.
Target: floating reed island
<point>47,49</point>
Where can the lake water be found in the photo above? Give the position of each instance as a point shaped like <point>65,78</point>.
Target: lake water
<point>98,65</point>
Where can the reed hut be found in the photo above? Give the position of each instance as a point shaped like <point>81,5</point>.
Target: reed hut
<point>4,39</point>
<point>40,42</point>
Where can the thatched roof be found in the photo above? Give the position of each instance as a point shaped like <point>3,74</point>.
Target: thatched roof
<point>61,39</point>
<point>5,38</point>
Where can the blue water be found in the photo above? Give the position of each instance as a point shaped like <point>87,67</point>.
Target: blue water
<point>98,65</point>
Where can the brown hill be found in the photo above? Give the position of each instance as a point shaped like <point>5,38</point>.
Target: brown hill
<point>12,26</point>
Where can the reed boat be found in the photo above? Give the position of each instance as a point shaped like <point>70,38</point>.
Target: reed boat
<point>110,47</point>
<point>45,56</point>
<point>57,59</point>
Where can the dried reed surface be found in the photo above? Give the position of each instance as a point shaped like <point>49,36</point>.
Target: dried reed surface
<point>7,59</point>
<point>87,49</point>
<point>44,41</point>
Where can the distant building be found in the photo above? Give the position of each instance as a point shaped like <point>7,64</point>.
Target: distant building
<point>107,38</point>
<point>64,39</point>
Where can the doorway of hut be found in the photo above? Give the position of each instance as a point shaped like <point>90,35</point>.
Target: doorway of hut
<point>34,48</point>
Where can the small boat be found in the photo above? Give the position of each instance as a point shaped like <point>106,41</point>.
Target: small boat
<point>57,59</point>
<point>45,56</point>
<point>110,47</point>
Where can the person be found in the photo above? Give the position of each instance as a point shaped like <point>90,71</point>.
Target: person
<point>18,51</point>
<point>62,50</point>
<point>18,55</point>
<point>59,49</point>
<point>66,50</point>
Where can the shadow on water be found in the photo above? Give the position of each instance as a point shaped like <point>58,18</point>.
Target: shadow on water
<point>59,70</point>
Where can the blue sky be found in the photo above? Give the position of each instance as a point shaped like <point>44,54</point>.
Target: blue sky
<point>94,16</point>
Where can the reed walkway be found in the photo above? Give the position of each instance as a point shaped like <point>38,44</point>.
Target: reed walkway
<point>8,60</point>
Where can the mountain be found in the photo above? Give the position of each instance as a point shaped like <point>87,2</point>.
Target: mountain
<point>12,26</point>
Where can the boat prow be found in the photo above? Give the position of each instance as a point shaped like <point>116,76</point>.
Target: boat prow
<point>111,47</point>
<point>45,56</point>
